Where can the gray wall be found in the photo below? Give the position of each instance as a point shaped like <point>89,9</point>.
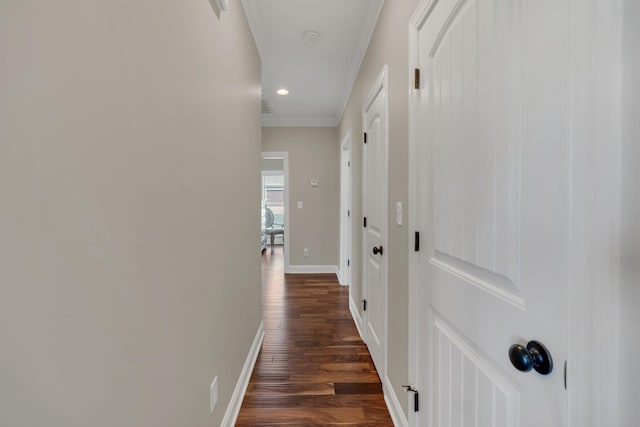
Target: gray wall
<point>122,126</point>
<point>313,154</point>
<point>630,233</point>
<point>389,45</point>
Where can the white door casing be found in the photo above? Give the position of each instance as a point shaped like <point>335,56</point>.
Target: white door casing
<point>490,181</point>
<point>374,207</point>
<point>346,219</point>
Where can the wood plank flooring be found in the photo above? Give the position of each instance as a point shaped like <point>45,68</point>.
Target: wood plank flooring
<point>313,368</point>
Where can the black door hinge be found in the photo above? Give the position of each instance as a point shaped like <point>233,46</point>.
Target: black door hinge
<point>416,78</point>
<point>364,305</point>
<point>416,246</point>
<point>365,222</point>
<point>348,262</point>
<point>348,213</point>
<point>348,164</point>
<point>365,137</point>
<point>416,396</point>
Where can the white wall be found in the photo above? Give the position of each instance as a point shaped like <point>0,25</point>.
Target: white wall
<point>122,125</point>
<point>313,154</point>
<point>630,233</point>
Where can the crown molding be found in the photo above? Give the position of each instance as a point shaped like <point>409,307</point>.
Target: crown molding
<point>368,28</point>
<point>306,122</point>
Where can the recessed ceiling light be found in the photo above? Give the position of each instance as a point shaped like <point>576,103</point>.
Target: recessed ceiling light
<point>282,92</point>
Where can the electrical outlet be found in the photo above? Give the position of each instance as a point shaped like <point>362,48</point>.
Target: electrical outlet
<point>213,395</point>
<point>305,252</point>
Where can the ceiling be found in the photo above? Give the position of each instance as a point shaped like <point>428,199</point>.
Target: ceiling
<point>319,70</point>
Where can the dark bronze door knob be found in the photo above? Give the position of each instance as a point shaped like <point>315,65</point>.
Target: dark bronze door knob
<point>533,356</point>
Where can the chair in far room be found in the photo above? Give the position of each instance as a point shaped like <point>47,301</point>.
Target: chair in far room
<point>273,229</point>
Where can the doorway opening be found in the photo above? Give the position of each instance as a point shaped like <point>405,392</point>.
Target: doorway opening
<point>274,204</point>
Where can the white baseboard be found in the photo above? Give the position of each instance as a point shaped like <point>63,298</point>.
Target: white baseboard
<point>356,316</point>
<point>393,404</point>
<point>233,409</point>
<point>343,280</point>
<point>312,269</point>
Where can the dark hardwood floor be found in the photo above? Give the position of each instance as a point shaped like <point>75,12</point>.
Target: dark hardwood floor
<point>313,368</point>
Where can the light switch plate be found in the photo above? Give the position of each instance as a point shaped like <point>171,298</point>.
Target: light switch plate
<point>399,213</point>
<point>213,394</point>
<point>299,204</point>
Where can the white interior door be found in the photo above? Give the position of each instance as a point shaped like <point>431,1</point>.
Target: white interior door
<point>345,210</point>
<point>492,189</point>
<point>374,194</point>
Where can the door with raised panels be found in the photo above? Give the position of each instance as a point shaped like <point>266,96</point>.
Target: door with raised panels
<point>374,191</point>
<point>492,181</point>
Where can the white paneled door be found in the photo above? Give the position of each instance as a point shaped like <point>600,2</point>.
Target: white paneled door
<point>491,184</point>
<point>374,183</point>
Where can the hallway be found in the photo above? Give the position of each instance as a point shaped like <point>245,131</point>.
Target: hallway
<point>313,368</point>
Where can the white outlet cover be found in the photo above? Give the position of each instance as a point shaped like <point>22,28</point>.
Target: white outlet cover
<point>314,182</point>
<point>213,394</point>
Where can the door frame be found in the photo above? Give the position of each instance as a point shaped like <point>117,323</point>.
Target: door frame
<point>381,84</point>
<point>415,23</point>
<point>284,156</point>
<point>592,373</point>
<point>346,201</point>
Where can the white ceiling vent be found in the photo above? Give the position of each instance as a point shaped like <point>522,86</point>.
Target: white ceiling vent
<point>266,107</point>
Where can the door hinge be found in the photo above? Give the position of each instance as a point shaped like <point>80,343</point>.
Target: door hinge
<point>348,164</point>
<point>365,222</point>
<point>416,396</point>
<point>348,262</point>
<point>364,305</point>
<point>365,137</point>
<point>565,374</point>
<point>416,79</point>
<point>348,213</point>
<point>416,246</point>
